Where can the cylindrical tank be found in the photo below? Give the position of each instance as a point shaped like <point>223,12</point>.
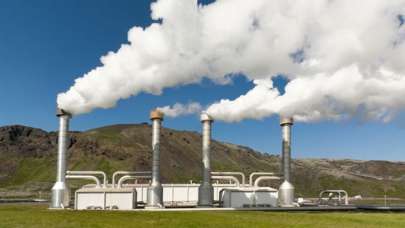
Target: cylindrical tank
<point>205,191</point>
<point>60,197</point>
<point>155,191</point>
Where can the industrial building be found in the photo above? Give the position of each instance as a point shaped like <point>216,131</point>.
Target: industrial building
<point>217,190</point>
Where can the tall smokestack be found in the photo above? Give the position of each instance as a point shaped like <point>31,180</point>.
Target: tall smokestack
<point>155,192</point>
<point>59,189</point>
<point>205,191</point>
<point>286,191</point>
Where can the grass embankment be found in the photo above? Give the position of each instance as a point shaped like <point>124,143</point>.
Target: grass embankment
<point>38,216</point>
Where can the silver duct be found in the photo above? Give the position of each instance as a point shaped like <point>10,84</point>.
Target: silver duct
<point>60,197</point>
<point>286,124</point>
<point>155,191</point>
<point>205,191</point>
<point>286,191</point>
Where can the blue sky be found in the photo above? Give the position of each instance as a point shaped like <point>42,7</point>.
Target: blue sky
<point>45,45</point>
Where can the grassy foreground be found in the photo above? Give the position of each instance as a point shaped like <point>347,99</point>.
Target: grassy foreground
<point>38,216</point>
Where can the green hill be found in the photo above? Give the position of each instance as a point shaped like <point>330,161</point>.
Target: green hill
<point>28,161</point>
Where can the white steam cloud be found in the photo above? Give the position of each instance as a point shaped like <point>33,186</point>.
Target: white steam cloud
<point>341,57</point>
<point>180,109</point>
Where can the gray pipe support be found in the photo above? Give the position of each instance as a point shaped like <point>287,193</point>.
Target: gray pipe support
<point>205,191</point>
<point>59,199</point>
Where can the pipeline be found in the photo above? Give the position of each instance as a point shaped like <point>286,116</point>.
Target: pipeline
<point>134,173</point>
<point>339,192</point>
<point>125,178</point>
<point>242,175</point>
<point>85,177</point>
<point>105,181</point>
<point>252,175</point>
<point>231,178</point>
<point>264,178</point>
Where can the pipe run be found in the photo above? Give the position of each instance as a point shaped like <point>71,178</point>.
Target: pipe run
<point>205,191</point>
<point>155,192</point>
<point>133,173</point>
<point>85,177</point>
<point>229,178</point>
<point>59,197</point>
<point>242,175</point>
<point>125,178</point>
<point>339,192</point>
<point>264,178</point>
<point>252,175</point>
<point>105,181</point>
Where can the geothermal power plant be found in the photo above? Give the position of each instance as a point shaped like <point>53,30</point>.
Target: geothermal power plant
<point>305,62</point>
<point>144,190</point>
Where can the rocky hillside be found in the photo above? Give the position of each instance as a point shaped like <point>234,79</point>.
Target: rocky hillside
<point>28,158</point>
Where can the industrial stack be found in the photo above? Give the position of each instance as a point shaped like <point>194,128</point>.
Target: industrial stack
<point>217,189</point>
<point>155,192</point>
<point>206,191</point>
<point>286,192</point>
<point>60,196</point>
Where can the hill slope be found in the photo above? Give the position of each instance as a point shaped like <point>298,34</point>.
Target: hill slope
<point>28,158</point>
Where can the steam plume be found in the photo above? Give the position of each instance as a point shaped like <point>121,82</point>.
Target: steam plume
<point>341,58</point>
<point>180,109</point>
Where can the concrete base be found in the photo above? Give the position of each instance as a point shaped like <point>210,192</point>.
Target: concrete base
<point>382,208</point>
<point>271,209</point>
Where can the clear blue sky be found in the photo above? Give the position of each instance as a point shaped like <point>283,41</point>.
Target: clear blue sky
<point>46,44</point>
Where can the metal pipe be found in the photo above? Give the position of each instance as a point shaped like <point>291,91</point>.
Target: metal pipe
<point>125,178</point>
<point>242,175</point>
<point>263,178</point>
<point>59,199</point>
<point>129,173</point>
<point>205,191</point>
<point>286,191</point>
<point>85,177</point>
<point>105,181</point>
<point>252,175</point>
<point>286,124</point>
<point>155,192</point>
<point>339,192</point>
<point>231,178</point>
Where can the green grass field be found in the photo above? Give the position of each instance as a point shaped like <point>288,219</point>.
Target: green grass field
<point>26,216</point>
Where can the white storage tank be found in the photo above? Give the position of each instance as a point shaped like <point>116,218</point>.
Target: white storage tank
<point>249,197</point>
<point>105,198</point>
